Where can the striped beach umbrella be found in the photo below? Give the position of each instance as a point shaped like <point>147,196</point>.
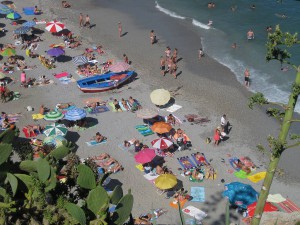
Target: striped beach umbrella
<point>162,143</point>
<point>75,114</point>
<point>54,26</point>
<point>55,141</point>
<point>56,52</point>
<point>80,60</point>
<point>22,30</point>
<point>55,129</point>
<point>53,116</point>
<point>8,52</point>
<point>13,16</point>
<point>29,24</point>
<point>5,10</point>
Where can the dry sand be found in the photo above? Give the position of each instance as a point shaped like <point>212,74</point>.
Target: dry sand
<point>204,95</point>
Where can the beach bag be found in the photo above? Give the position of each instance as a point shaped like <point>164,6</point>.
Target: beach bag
<point>208,140</point>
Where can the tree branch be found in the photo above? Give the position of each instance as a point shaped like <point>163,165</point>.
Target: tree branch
<point>284,106</point>
<point>294,145</point>
<point>290,121</point>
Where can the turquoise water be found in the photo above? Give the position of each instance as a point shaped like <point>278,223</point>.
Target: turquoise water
<point>231,27</point>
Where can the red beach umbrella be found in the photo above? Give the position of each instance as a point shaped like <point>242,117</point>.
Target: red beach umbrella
<point>162,143</point>
<point>145,155</point>
<point>54,26</point>
<point>268,208</point>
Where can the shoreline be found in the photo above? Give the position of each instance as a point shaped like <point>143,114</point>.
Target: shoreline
<point>145,60</point>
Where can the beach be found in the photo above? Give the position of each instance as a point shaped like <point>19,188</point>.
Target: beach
<point>204,87</point>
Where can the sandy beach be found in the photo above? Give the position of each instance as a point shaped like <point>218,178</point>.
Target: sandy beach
<point>204,87</point>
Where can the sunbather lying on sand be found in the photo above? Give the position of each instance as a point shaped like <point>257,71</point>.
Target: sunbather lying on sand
<point>64,105</point>
<point>109,162</point>
<point>36,142</point>
<point>99,137</point>
<point>241,166</point>
<point>101,156</point>
<point>93,105</point>
<point>197,175</point>
<point>201,158</point>
<point>32,128</point>
<point>115,167</point>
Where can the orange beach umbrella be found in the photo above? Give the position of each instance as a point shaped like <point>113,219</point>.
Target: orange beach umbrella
<point>161,127</point>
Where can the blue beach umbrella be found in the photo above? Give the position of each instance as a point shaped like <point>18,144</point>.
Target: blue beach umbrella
<point>55,52</point>
<point>29,24</point>
<point>75,114</point>
<point>13,16</point>
<point>22,30</point>
<point>240,194</point>
<point>5,10</point>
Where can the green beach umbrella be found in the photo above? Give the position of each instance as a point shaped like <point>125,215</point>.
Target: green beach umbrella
<point>8,52</point>
<point>55,129</point>
<point>53,116</point>
<point>56,141</point>
<point>13,16</point>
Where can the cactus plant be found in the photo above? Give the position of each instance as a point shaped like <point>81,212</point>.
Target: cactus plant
<point>97,199</point>
<point>5,152</point>
<point>86,178</point>
<point>116,195</point>
<point>8,135</point>
<point>13,181</point>
<point>43,169</point>
<point>26,179</point>
<point>123,210</point>
<point>60,152</point>
<point>28,165</point>
<point>76,212</point>
<point>51,183</point>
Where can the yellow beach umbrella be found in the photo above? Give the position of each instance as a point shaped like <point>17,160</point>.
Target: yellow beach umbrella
<point>166,181</point>
<point>160,96</point>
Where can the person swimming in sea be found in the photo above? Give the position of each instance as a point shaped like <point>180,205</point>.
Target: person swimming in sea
<point>250,34</point>
<point>283,16</point>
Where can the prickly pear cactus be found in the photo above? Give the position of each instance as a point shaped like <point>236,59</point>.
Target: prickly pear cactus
<point>116,195</point>
<point>123,210</point>
<point>97,199</point>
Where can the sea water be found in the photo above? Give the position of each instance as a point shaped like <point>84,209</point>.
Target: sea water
<point>232,26</point>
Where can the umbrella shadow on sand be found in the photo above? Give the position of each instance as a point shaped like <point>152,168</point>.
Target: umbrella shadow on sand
<point>170,103</point>
<point>2,34</point>
<point>2,25</point>
<point>112,184</point>
<point>20,21</point>
<point>37,31</point>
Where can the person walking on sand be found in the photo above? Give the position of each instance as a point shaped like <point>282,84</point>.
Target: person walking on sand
<point>87,21</point>
<point>175,52</point>
<point>23,77</point>
<point>80,20</point>
<point>168,52</point>
<point>152,37</point>
<point>162,66</point>
<point>120,29</point>
<point>200,53</point>
<point>247,77</point>
<point>125,57</point>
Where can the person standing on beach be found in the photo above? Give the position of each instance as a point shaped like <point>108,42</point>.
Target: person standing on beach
<point>120,29</point>
<point>168,52</point>
<point>80,20</point>
<point>125,57</point>
<point>200,53</point>
<point>87,21</point>
<point>162,66</point>
<point>247,77</point>
<point>23,77</point>
<point>152,37</point>
<point>175,55</point>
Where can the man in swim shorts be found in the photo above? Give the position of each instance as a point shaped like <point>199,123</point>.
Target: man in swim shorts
<point>247,77</point>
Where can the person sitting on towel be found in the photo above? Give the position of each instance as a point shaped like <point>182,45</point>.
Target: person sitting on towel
<point>197,175</point>
<point>241,166</point>
<point>201,158</point>
<point>99,137</point>
<point>171,119</point>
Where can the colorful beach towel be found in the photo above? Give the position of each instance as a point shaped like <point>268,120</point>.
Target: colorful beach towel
<point>232,161</point>
<point>122,147</point>
<point>198,162</point>
<point>195,212</point>
<point>198,194</point>
<point>257,177</point>
<point>288,206</point>
<point>66,80</point>
<point>99,109</point>
<point>37,116</point>
<point>140,167</point>
<point>144,130</point>
<point>186,162</point>
<point>175,204</point>
<point>241,174</point>
<point>60,75</point>
<point>93,142</point>
<point>28,10</point>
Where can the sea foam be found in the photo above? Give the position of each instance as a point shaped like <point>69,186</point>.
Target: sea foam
<point>199,24</point>
<point>168,12</point>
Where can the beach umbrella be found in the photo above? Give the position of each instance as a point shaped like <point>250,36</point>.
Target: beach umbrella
<point>7,2</point>
<point>119,67</point>
<point>160,96</point>
<point>29,24</point>
<point>268,208</point>
<point>145,155</point>
<point>5,10</point>
<point>55,129</point>
<point>161,127</point>
<point>53,116</point>
<point>162,143</point>
<point>165,181</point>
<point>56,141</point>
<point>54,26</point>
<point>22,30</point>
<point>146,113</point>
<point>240,194</point>
<point>8,52</point>
<point>80,60</point>
<point>55,52</point>
<point>13,16</point>
<point>75,114</point>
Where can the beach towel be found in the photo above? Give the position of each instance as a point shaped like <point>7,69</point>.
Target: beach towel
<point>60,75</point>
<point>111,104</point>
<point>174,204</point>
<point>41,22</point>
<point>28,11</point>
<point>198,194</point>
<point>42,84</point>
<point>211,177</point>
<point>177,120</point>
<point>99,109</point>
<point>89,125</point>
<point>37,116</point>
<point>150,176</point>
<point>93,143</point>
<point>66,80</point>
<point>140,167</point>
<point>257,177</point>
<point>122,147</point>
<point>232,161</point>
<point>288,206</point>
<point>144,130</point>
<point>173,108</point>
<point>241,174</point>
<point>194,212</point>
<point>186,162</point>
<point>18,68</point>
<point>198,163</point>
<point>276,198</point>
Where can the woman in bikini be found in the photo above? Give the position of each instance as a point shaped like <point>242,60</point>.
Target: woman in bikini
<point>117,105</point>
<point>124,103</point>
